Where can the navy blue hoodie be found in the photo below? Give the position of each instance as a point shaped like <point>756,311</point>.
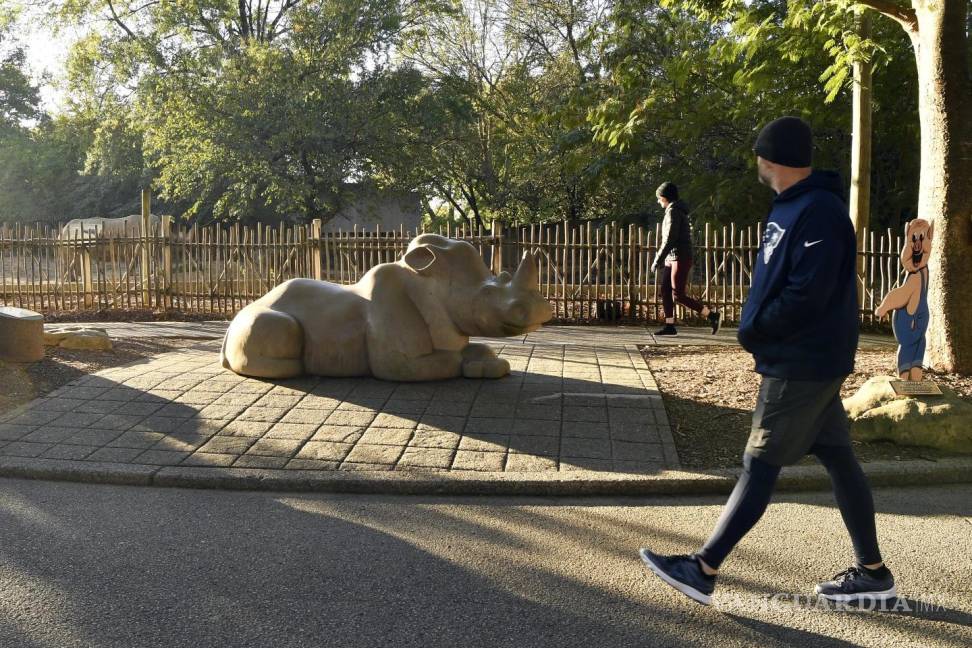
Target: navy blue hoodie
<point>800,319</point>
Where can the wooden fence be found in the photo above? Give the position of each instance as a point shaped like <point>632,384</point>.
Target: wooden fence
<point>588,273</point>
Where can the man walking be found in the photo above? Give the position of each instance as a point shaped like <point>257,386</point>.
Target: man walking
<point>800,324</point>
<point>675,250</point>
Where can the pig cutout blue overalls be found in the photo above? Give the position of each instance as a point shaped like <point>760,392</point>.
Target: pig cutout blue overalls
<point>909,330</point>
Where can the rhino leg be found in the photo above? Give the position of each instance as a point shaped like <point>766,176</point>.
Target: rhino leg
<point>264,343</point>
<point>479,361</point>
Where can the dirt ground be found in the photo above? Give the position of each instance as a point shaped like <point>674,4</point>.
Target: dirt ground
<point>710,394</point>
<point>25,382</point>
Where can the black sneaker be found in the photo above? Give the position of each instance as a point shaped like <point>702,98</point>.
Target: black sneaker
<point>859,584</point>
<point>684,573</point>
<point>668,330</point>
<point>715,321</point>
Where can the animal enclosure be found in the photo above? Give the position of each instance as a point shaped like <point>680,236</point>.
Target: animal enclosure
<point>587,273</point>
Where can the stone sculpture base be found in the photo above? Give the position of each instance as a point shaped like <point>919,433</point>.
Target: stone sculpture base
<point>21,335</point>
<point>878,414</point>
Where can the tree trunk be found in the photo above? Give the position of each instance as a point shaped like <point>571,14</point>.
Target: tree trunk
<point>945,190</point>
<point>860,189</point>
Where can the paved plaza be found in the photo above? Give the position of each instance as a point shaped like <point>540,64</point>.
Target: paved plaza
<point>564,408</point>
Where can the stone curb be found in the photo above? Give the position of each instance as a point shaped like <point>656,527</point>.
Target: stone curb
<point>711,482</point>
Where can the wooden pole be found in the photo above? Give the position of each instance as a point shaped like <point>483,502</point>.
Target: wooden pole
<point>146,212</point>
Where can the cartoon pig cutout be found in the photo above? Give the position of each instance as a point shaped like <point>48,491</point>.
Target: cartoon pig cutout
<point>410,320</point>
<point>910,300</point>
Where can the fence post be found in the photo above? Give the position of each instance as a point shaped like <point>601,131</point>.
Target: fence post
<point>146,257</point>
<point>87,285</point>
<point>496,260</point>
<point>316,244</point>
<point>167,261</point>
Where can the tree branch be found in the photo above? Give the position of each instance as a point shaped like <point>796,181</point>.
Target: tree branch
<point>904,16</point>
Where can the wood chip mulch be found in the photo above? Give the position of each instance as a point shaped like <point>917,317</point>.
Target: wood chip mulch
<point>710,393</point>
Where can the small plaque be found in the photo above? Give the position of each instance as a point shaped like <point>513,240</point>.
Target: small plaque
<point>915,388</point>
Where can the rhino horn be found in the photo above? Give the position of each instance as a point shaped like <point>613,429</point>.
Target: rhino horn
<point>526,276</point>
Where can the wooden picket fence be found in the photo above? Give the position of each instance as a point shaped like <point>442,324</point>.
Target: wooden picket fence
<point>587,272</point>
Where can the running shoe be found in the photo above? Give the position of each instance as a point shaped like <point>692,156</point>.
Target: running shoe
<point>684,573</point>
<point>859,584</point>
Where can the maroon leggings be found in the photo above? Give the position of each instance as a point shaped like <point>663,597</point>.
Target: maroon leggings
<point>674,278</point>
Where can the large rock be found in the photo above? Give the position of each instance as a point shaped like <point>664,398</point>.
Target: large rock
<point>21,335</point>
<point>876,413</point>
<point>80,338</point>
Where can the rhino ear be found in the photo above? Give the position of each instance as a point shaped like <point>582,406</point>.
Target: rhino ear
<point>419,258</point>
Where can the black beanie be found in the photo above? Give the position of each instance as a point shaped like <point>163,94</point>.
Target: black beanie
<point>786,141</point>
<point>667,190</point>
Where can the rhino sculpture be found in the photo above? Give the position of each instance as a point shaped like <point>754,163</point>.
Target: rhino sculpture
<point>408,321</point>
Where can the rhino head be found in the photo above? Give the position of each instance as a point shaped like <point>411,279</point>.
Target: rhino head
<point>479,303</point>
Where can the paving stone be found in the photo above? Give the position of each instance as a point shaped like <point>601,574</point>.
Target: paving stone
<point>624,450</point>
<point>324,450</point>
<point>294,431</point>
<point>263,414</point>
<point>585,430</point>
<point>161,457</point>
<point>386,436</point>
<point>73,452</point>
<point>24,449</point>
<point>346,417</point>
<point>411,391</point>
<point>119,455</point>
<point>338,433</point>
<point>444,423</point>
<point>210,459</point>
<point>197,399</point>
<point>591,414</point>
<point>414,408</point>
<point>75,419</point>
<point>251,387</point>
<point>479,461</point>
<point>50,434</point>
<point>426,457</point>
<point>546,412</point>
<point>320,403</point>
<point>62,404</point>
<point>95,437</point>
<point>227,445</point>
<point>368,453</point>
<point>275,448</point>
<point>537,428</point>
<point>13,431</point>
<point>535,445</point>
<point>638,467</point>
<point>482,425</point>
<point>138,409</point>
<point>260,461</point>
<point>365,467</point>
<point>491,410</point>
<point>176,410</point>
<point>182,443</point>
<point>425,438</point>
<point>575,464</point>
<point>306,416</point>
<point>198,426</point>
<point>277,400</point>
<point>585,448</point>
<point>635,432</point>
<point>245,428</point>
<point>448,408</point>
<point>458,391</point>
<point>371,389</point>
<point>385,420</point>
<point>485,443</point>
<point>155,396</point>
<point>136,440</point>
<point>530,463</point>
<point>97,406</point>
<point>29,417</point>
<point>311,464</point>
<point>220,412</point>
<point>362,405</point>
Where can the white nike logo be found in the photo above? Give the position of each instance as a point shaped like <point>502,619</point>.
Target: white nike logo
<point>809,244</point>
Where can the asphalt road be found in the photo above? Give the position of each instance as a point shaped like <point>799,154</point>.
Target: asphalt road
<point>93,566</point>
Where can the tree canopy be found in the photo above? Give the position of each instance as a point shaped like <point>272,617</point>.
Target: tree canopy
<point>516,110</point>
